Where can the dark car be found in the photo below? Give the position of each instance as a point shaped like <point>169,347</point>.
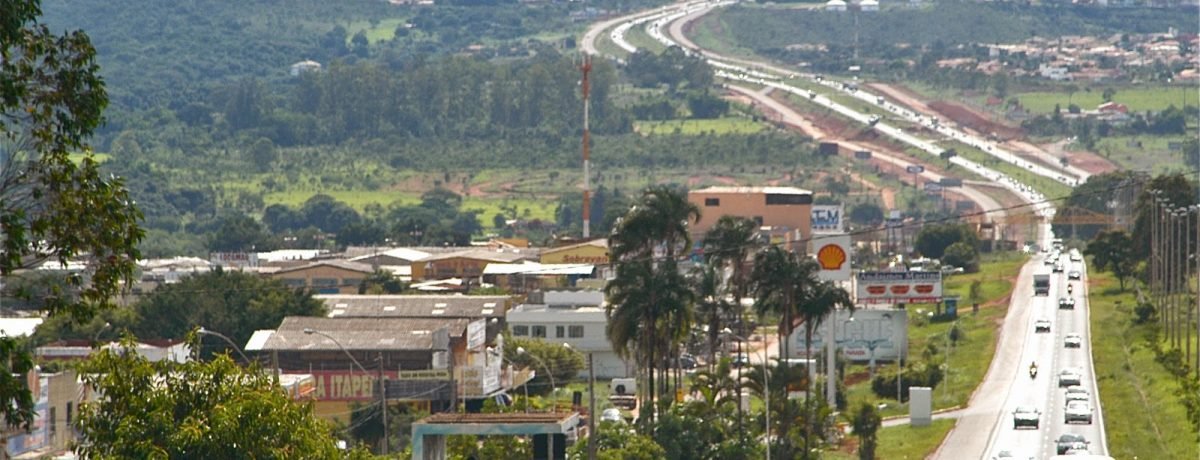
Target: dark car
<point>1070,441</point>
<point>687,361</point>
<point>1066,303</point>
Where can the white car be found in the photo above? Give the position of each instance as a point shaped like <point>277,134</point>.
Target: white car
<point>1041,325</point>
<point>1078,411</point>
<point>1077,393</point>
<point>1069,377</point>
<point>612,415</point>
<point>1073,340</point>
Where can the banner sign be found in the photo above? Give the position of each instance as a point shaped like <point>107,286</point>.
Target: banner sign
<point>476,334</point>
<point>833,255</point>
<point>883,333</point>
<point>899,287</point>
<point>827,219</point>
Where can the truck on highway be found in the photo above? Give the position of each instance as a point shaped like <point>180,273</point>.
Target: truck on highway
<point>1041,284</point>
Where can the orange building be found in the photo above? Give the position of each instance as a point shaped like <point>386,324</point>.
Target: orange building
<point>781,208</point>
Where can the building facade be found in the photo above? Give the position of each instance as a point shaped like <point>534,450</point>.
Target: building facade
<point>781,208</point>
<point>573,317</point>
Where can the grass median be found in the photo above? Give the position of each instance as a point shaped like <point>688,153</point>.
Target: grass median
<point>903,442</point>
<point>1143,414</point>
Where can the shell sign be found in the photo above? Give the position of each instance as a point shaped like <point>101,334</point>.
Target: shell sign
<point>833,255</point>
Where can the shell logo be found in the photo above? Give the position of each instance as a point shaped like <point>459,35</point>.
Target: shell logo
<point>831,257</point>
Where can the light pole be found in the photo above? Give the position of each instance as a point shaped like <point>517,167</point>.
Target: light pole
<point>382,397</point>
<point>203,331</point>
<point>591,405</point>
<point>766,386</point>
<point>831,364</point>
<point>553,386</point>
<point>96,338</point>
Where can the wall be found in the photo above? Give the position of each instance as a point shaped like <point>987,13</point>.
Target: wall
<point>750,205</point>
<point>345,281</point>
<point>585,254</point>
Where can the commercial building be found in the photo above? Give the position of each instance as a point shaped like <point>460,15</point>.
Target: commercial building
<point>466,265</point>
<point>573,317</point>
<point>325,276</point>
<point>781,208</point>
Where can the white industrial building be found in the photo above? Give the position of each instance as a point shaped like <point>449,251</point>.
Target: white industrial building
<point>574,317</point>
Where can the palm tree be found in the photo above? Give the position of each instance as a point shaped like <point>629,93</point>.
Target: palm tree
<point>727,246</point>
<point>649,308</point>
<point>711,306</point>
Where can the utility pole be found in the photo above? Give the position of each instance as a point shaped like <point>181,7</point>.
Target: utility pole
<point>592,435</point>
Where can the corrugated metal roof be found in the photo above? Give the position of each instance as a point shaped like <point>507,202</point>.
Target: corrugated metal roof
<point>534,268</point>
<point>361,333</point>
<point>772,190</point>
<point>413,306</point>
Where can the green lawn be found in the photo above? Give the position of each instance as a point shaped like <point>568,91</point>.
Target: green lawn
<point>691,127</point>
<point>357,199</point>
<point>1139,99</point>
<point>1047,186</point>
<point>638,37</point>
<point>382,30</point>
<point>968,360</point>
<point>905,442</point>
<point>97,157</point>
<point>1142,153</point>
<point>1143,416</point>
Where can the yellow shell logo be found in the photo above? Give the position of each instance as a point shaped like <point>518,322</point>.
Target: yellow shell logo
<point>831,257</point>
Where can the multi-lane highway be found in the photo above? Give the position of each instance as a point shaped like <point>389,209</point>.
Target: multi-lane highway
<point>986,427</point>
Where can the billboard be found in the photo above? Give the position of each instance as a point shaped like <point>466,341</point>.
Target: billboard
<point>234,259</point>
<point>950,182</point>
<point>828,218</point>
<point>476,334</point>
<point>886,331</point>
<point>899,287</point>
<point>833,255</point>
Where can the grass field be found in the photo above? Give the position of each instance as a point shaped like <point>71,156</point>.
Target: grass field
<point>1138,99</point>
<point>638,37</point>
<point>1143,416</point>
<point>98,157</point>
<point>1047,186</point>
<point>383,30</point>
<point>727,125</point>
<point>1152,153</point>
<point>904,442</point>
<point>967,361</point>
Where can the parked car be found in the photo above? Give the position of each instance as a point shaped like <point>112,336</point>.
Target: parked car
<point>1066,303</point>
<point>741,360</point>
<point>1069,377</point>
<point>687,361</point>
<point>1073,340</point>
<point>1070,441</point>
<point>1041,325</point>
<point>1026,416</point>
<point>1074,274</point>
<point>612,415</point>
<point>1078,411</point>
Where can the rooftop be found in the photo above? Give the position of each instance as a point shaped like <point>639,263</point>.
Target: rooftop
<point>372,334</point>
<point>771,190</point>
<point>342,264</point>
<point>414,306</point>
<point>503,255</point>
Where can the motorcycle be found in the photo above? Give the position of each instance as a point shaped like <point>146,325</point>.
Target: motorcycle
<point>1033,371</point>
<point>1070,289</point>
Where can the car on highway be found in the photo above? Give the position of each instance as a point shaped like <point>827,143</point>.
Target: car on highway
<point>1076,256</point>
<point>1050,260</point>
<point>1078,411</point>
<point>1069,377</point>
<point>1077,393</point>
<point>1070,441</point>
<point>1066,303</point>
<point>1073,340</point>
<point>1041,325</point>
<point>1026,416</point>
<point>1007,454</point>
<point>1074,275</point>
<point>1058,267</point>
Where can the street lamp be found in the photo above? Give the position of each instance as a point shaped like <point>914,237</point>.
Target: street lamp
<point>203,331</point>
<point>553,386</point>
<point>96,338</point>
<point>382,396</point>
<point>591,404</point>
<point>766,386</point>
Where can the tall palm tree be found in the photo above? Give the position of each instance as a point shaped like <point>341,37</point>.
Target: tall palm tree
<point>649,304</point>
<point>711,305</point>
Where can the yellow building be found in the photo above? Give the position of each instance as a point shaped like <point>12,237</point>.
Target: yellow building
<point>781,208</point>
<point>465,264</point>
<point>593,252</point>
<point>325,276</point>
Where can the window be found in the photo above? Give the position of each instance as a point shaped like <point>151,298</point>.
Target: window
<point>559,332</point>
<point>539,331</point>
<point>351,281</point>
<point>575,332</point>
<point>325,282</point>
<point>712,201</point>
<point>520,331</point>
<point>787,198</point>
<point>294,282</point>
<point>53,421</point>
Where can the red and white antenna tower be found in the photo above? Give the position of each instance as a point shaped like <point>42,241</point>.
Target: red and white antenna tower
<point>586,68</point>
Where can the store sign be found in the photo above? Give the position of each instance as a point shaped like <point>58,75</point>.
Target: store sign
<point>899,287</point>
<point>827,219</point>
<point>346,386</point>
<point>476,334</point>
<point>234,259</point>
<point>833,255</point>
<point>882,333</point>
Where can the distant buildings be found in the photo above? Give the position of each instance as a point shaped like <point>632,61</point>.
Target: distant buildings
<point>783,209</point>
<point>304,67</point>
<point>573,317</point>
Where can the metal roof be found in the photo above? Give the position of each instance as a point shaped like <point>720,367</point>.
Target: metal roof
<point>771,190</point>
<point>534,268</point>
<point>414,306</point>
<point>367,334</point>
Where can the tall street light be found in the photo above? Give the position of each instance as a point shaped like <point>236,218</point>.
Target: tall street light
<point>766,386</point>
<point>203,331</point>
<point>553,386</point>
<point>96,338</point>
<point>382,397</point>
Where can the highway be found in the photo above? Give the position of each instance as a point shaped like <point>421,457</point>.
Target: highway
<point>985,427</point>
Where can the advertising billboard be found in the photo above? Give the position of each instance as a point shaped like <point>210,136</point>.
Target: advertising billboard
<point>833,255</point>
<point>883,331</point>
<point>898,287</point>
<point>827,218</point>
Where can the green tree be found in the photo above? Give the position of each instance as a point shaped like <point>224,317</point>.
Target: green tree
<point>962,254</point>
<point>933,240</point>
<point>866,423</point>
<point>616,441</point>
<point>195,409</point>
<point>229,302</point>
<point>52,207</point>
<point>238,232</point>
<point>561,362</point>
<point>1113,251</point>
<point>263,154</point>
<point>381,282</point>
<point>649,304</point>
<point>727,247</point>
